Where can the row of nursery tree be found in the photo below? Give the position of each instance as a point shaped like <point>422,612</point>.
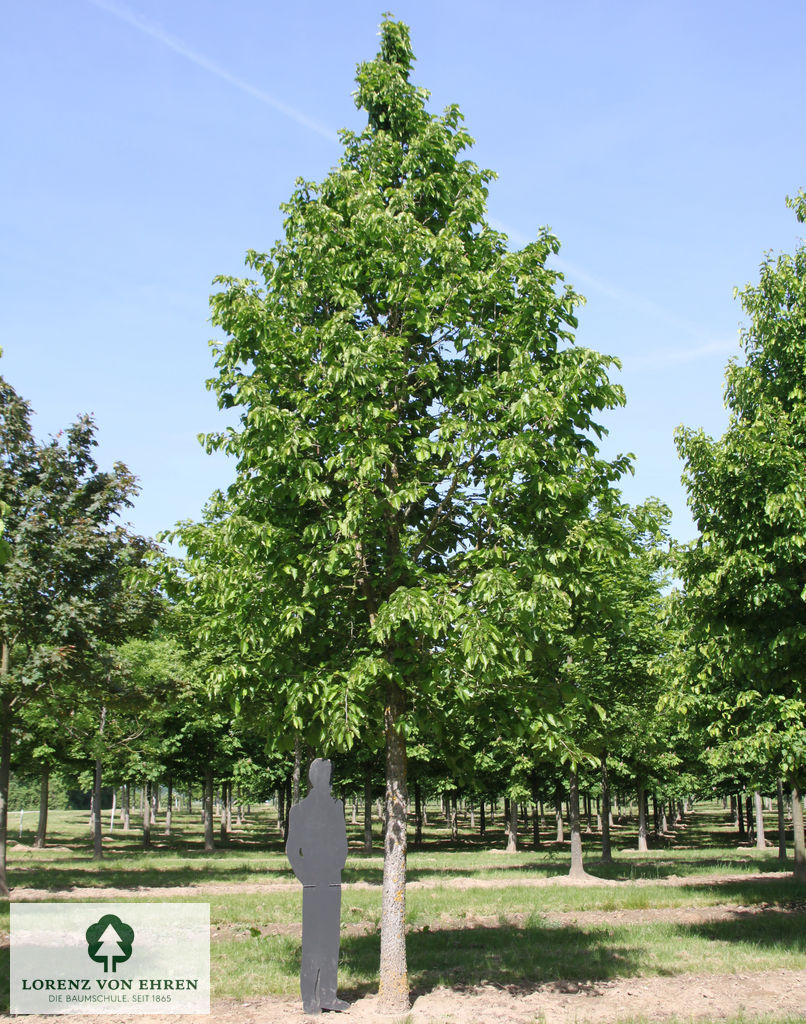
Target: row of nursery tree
<point>424,565</point>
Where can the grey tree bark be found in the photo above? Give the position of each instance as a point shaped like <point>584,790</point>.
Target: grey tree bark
<point>797,828</point>
<point>512,825</point>
<point>781,823</point>
<point>643,846</point>
<point>44,794</point>
<point>577,866</point>
<point>393,990</point>
<point>97,830</point>
<point>761,842</point>
<point>207,803</point>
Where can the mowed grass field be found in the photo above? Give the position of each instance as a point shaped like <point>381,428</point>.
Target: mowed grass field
<point>698,901</point>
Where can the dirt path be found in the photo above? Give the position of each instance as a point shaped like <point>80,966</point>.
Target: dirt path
<point>686,996</point>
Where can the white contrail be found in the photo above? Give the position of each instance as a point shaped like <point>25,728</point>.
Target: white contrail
<point>156,32</point>
<point>633,301</point>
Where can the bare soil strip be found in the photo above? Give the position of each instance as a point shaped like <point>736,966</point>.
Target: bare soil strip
<point>686,996</point>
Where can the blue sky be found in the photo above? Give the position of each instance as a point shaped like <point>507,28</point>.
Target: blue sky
<point>148,145</point>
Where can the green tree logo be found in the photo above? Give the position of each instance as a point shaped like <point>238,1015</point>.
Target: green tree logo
<point>109,942</point>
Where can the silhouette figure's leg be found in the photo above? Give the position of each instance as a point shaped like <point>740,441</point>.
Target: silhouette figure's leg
<point>329,969</point>
<point>309,968</point>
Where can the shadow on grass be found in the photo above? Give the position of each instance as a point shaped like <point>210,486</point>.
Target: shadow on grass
<point>516,959</point>
<point>781,930</point>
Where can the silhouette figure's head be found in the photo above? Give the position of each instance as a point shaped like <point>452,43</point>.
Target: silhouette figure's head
<point>319,774</point>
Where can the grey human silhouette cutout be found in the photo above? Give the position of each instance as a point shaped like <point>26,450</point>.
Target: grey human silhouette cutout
<point>317,850</point>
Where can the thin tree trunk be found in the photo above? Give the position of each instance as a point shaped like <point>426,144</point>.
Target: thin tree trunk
<point>655,815</point>
<point>535,815</point>
<point>588,813</point>
<point>797,828</point>
<point>558,814</point>
<point>367,810</point>
<point>454,819</point>
<point>297,773</point>
<point>511,820</point>
<point>170,803</point>
<point>5,763</point>
<point>126,806</point>
<point>781,825</point>
<point>577,865</point>
<point>739,802</point>
<point>147,817</point>
<point>393,991</point>
<point>222,816</point>
<point>482,819</point>
<point>114,807</point>
<point>748,806</point>
<point>207,805</point>
<point>643,846</point>
<point>287,818</point>
<point>607,818</point>
<point>472,817</point>
<point>280,807</point>
<point>97,834</point>
<point>44,794</point>
<point>418,816</point>
<point>761,842</point>
<point>355,810</point>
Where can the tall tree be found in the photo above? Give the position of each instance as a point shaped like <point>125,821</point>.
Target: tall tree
<point>745,576</point>
<point>409,389</point>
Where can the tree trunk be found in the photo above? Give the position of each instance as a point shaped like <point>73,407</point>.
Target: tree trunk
<point>655,815</point>
<point>472,817</point>
<point>97,829</point>
<point>607,818</point>
<point>5,763</point>
<point>418,816</point>
<point>577,865</point>
<point>511,824</point>
<point>280,807</point>
<point>643,846</point>
<point>126,806</point>
<point>354,820</point>
<point>147,817</point>
<point>287,818</point>
<point>169,805</point>
<point>393,991</point>
<point>588,813</point>
<point>558,814</point>
<point>297,773</point>
<point>367,810</point>
<point>748,806</point>
<point>207,804</point>
<point>222,816</point>
<point>44,793</point>
<point>739,802</point>
<point>797,828</point>
<point>781,825</point>
<point>761,841</point>
<point>535,815</point>
<point>454,819</point>
<point>114,806</point>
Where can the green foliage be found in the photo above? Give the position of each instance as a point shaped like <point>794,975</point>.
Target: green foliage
<point>414,446</point>
<point>745,576</point>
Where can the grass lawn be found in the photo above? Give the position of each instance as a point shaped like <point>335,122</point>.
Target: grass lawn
<point>476,915</point>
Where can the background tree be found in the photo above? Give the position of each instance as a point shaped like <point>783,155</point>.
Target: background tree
<point>745,576</point>
<point>61,589</point>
